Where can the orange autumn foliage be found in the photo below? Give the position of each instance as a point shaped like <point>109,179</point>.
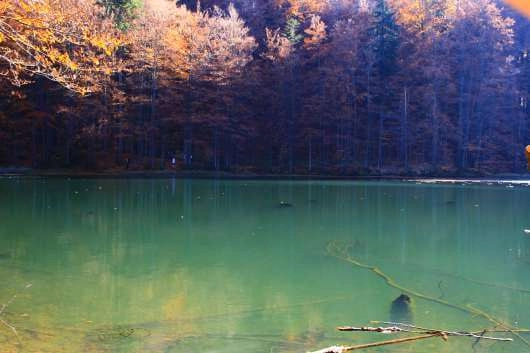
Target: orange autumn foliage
<point>204,45</point>
<point>304,7</point>
<point>65,41</point>
<point>521,5</point>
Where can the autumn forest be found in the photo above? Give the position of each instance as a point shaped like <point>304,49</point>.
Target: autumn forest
<point>338,87</point>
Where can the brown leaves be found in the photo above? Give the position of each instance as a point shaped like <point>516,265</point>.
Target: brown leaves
<point>316,33</point>
<point>279,48</point>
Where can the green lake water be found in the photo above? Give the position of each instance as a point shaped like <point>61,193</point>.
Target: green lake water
<point>172,265</point>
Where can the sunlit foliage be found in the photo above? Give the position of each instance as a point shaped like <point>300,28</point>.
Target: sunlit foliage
<point>64,41</point>
<point>208,45</point>
<point>343,86</point>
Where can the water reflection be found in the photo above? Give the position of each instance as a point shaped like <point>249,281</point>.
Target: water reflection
<point>217,266</point>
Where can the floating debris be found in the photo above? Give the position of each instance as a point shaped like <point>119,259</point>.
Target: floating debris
<point>119,332</point>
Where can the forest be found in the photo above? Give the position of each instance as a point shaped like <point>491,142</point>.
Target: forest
<point>309,87</point>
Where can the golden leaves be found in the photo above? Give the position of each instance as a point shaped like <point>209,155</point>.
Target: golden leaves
<point>65,41</point>
<point>206,45</point>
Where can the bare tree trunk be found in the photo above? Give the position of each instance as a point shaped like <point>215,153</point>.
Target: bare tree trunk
<point>154,130</point>
<point>380,141</point>
<point>404,130</point>
<point>462,122</point>
<point>188,127</point>
<point>309,157</point>
<point>367,144</point>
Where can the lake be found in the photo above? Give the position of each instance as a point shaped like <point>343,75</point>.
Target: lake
<point>176,265</point>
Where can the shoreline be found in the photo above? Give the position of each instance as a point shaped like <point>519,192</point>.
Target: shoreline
<point>206,174</point>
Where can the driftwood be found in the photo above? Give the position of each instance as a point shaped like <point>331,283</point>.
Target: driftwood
<point>398,327</point>
<point>342,349</point>
<point>412,328</point>
<point>390,329</point>
<point>333,249</point>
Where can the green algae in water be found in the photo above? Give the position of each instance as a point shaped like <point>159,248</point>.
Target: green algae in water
<point>217,266</point>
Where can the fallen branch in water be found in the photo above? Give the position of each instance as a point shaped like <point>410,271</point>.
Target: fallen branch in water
<point>390,329</point>
<point>464,278</point>
<point>342,349</point>
<point>333,249</point>
<point>479,334</point>
<point>398,327</point>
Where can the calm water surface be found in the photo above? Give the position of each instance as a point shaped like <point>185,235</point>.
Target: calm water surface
<point>168,265</point>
